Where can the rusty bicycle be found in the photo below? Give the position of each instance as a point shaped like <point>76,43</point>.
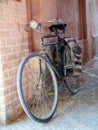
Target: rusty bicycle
<point>40,74</point>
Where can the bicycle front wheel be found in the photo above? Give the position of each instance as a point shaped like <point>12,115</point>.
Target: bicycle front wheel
<point>37,88</point>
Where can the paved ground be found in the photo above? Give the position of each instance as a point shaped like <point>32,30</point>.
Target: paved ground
<point>78,112</point>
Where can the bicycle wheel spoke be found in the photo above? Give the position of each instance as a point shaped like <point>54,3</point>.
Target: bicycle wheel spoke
<point>38,88</point>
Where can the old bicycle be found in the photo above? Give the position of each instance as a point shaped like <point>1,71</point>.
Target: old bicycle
<point>39,74</point>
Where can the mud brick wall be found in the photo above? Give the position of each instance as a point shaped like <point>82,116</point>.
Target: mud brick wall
<point>13,46</point>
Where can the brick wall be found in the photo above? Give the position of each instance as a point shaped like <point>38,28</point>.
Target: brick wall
<point>13,46</point>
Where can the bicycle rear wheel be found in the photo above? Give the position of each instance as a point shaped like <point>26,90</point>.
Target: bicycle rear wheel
<point>72,82</point>
<point>37,88</point>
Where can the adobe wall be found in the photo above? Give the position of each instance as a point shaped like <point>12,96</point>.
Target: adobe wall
<point>13,46</point>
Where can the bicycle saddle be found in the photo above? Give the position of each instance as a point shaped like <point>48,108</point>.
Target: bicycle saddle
<point>56,27</point>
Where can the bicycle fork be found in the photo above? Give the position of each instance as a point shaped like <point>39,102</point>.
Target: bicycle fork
<point>42,76</point>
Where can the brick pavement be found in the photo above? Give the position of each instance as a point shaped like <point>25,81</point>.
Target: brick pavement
<point>78,112</point>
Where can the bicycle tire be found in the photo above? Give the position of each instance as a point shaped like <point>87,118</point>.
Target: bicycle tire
<point>72,82</point>
<point>38,107</point>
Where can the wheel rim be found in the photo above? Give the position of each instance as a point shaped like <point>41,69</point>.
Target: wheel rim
<point>38,93</point>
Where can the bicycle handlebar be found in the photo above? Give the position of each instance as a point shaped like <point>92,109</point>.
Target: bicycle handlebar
<point>34,24</point>
<point>52,20</point>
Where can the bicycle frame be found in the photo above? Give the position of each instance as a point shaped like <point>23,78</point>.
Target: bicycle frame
<point>39,26</point>
<point>46,56</point>
<point>51,64</point>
